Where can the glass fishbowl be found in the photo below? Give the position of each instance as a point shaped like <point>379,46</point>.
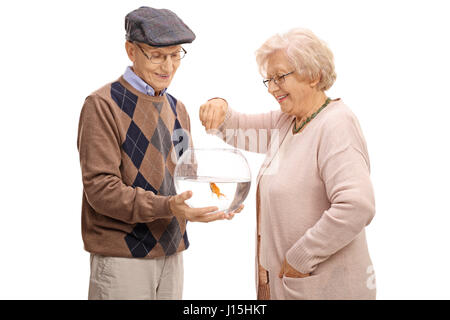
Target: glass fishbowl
<point>216,177</point>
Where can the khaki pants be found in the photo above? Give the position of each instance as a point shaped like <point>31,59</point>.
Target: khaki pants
<point>114,278</point>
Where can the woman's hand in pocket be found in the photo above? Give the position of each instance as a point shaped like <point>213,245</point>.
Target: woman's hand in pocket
<point>288,271</point>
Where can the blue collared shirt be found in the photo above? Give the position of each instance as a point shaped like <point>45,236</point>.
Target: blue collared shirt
<point>139,84</point>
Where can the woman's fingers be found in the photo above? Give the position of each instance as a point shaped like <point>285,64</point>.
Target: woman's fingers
<point>210,118</point>
<point>212,113</point>
<point>282,269</point>
<point>203,112</point>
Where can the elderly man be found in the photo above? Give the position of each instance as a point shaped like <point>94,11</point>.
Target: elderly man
<point>133,223</point>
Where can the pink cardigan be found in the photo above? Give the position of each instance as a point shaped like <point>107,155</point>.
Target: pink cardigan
<point>313,201</point>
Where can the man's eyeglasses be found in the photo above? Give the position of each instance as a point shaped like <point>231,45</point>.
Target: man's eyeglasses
<point>277,79</point>
<point>160,58</point>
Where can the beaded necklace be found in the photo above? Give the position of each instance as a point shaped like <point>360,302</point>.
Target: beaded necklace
<point>296,130</point>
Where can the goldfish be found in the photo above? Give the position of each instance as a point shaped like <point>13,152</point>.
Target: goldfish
<point>215,189</point>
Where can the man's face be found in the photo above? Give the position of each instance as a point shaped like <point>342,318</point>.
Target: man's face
<point>158,75</point>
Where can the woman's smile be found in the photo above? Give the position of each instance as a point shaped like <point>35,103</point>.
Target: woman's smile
<point>281,98</point>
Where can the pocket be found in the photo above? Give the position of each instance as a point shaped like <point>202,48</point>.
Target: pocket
<point>101,277</point>
<point>101,267</point>
<point>302,288</point>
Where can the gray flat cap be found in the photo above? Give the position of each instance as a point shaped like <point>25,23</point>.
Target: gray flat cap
<point>157,27</point>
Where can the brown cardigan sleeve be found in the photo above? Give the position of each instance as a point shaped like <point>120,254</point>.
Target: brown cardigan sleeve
<point>100,158</point>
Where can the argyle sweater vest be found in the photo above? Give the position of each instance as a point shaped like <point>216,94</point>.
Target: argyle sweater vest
<point>128,144</point>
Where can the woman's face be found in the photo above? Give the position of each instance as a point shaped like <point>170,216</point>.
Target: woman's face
<point>293,94</point>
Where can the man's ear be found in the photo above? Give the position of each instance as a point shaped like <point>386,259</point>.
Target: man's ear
<point>131,50</point>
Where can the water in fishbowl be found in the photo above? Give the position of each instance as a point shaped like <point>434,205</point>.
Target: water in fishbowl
<point>225,193</point>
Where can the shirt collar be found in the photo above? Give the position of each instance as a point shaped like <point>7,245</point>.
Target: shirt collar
<point>139,84</point>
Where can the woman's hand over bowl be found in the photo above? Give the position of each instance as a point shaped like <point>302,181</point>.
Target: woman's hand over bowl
<point>213,112</point>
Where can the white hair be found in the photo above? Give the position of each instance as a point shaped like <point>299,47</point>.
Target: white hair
<point>310,56</point>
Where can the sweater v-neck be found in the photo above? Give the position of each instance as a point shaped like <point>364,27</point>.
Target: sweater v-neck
<point>141,95</point>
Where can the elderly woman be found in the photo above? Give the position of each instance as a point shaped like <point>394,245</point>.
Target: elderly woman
<point>314,194</point>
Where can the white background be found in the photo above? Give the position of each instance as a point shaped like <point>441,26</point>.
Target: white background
<point>392,61</point>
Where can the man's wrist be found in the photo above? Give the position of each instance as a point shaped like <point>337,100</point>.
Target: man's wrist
<point>170,201</point>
